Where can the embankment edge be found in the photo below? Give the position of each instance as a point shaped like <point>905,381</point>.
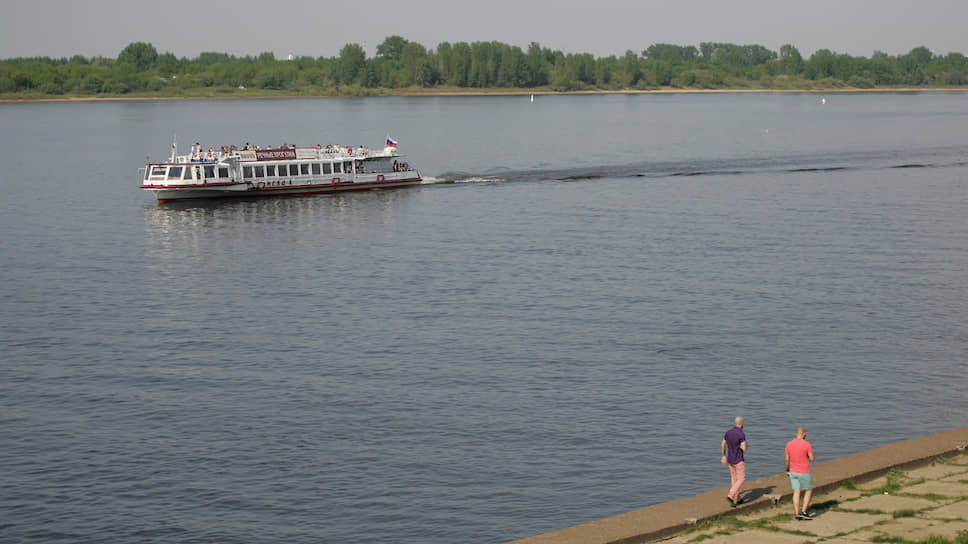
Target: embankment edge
<point>666,519</point>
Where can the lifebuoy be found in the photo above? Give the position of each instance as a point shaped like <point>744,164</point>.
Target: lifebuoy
<point>262,185</point>
<point>380,177</point>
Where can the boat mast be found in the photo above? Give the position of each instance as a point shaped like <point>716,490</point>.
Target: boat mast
<point>174,147</point>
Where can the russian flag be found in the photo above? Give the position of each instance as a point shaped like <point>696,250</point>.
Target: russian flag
<point>391,142</point>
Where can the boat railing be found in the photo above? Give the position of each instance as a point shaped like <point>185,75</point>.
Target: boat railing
<point>318,153</point>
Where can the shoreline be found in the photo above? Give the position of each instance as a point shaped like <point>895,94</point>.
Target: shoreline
<point>438,93</point>
<point>668,519</point>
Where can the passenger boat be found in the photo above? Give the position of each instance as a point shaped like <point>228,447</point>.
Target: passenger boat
<point>249,171</point>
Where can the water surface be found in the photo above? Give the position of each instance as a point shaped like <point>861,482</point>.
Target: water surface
<point>557,328</point>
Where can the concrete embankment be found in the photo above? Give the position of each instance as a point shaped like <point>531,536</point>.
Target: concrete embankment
<point>663,520</point>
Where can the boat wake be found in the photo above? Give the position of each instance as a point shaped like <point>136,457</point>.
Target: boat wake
<point>817,164</point>
<point>461,178</point>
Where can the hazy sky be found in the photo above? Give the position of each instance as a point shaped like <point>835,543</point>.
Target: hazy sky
<point>59,28</point>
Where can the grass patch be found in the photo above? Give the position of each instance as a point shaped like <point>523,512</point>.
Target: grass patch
<point>905,513</point>
<point>704,525</point>
<point>849,485</point>
<point>731,525</point>
<point>894,478</point>
<point>929,496</point>
<point>962,538</point>
<point>900,540</point>
<point>872,511</point>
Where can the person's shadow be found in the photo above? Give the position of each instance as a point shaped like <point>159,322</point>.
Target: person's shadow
<point>756,493</point>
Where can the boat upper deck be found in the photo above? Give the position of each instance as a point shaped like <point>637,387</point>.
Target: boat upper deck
<point>250,153</point>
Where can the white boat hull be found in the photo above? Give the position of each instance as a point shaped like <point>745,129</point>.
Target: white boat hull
<point>165,193</point>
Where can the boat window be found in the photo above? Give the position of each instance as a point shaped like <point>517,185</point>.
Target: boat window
<point>271,171</point>
<point>223,172</point>
<point>347,167</point>
<point>210,171</point>
<point>247,171</point>
<point>327,168</point>
<point>188,173</point>
<point>260,172</point>
<point>158,171</point>
<point>304,169</point>
<point>174,172</point>
<point>315,168</point>
<point>337,167</point>
<point>283,170</point>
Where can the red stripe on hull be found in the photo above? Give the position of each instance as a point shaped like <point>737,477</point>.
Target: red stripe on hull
<point>292,190</point>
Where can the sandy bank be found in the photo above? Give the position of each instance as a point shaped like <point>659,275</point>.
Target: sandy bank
<point>434,93</point>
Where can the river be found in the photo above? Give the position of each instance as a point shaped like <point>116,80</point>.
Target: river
<point>556,327</point>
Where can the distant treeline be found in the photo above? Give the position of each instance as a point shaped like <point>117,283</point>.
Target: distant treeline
<point>401,64</point>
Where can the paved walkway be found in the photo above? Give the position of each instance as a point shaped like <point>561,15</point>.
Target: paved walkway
<point>849,502</point>
<point>927,504</point>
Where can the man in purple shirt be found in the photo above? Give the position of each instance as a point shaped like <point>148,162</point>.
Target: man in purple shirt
<point>733,447</point>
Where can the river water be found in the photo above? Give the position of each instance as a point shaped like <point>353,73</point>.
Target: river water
<point>557,327</point>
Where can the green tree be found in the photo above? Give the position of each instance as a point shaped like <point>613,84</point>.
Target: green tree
<point>167,64</point>
<point>671,53</point>
<point>536,66</point>
<point>820,65</point>
<point>921,55</point>
<point>392,48</point>
<point>632,66</point>
<point>141,55</point>
<point>412,61</point>
<point>351,60</point>
<point>208,58</point>
<point>791,62</point>
<point>461,69</point>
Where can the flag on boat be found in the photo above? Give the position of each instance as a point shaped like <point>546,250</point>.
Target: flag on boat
<point>391,142</point>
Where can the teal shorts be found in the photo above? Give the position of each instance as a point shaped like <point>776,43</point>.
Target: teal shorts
<point>801,481</point>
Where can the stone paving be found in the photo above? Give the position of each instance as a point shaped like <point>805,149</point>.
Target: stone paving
<point>925,505</point>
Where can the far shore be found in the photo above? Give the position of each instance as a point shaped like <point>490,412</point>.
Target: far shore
<point>496,92</point>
